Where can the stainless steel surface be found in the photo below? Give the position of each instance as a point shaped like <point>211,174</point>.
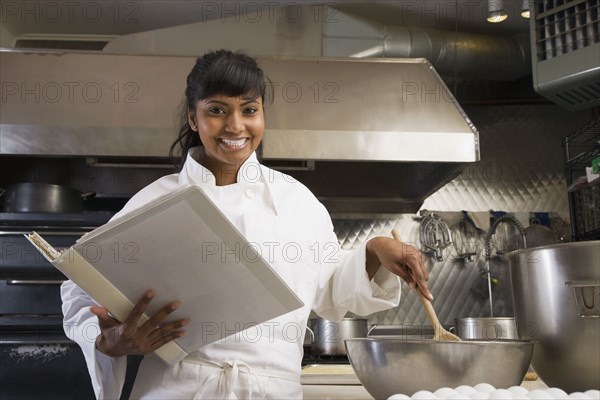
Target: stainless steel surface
<point>567,351</point>
<point>486,328</point>
<point>385,89</point>
<point>401,331</point>
<point>35,281</point>
<point>328,337</point>
<point>390,366</point>
<point>587,297</point>
<point>63,111</point>
<point>510,177</point>
<point>565,43</point>
<point>56,104</point>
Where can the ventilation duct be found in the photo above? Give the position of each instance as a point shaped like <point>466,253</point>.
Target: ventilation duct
<point>469,55</point>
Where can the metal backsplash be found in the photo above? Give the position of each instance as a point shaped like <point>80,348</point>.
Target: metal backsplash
<point>521,170</point>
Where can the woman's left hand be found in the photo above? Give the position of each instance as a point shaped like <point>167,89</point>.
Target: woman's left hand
<point>400,258</point>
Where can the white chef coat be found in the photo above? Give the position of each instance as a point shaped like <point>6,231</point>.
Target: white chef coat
<point>295,235</point>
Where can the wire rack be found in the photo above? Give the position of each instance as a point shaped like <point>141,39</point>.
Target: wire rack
<point>580,148</point>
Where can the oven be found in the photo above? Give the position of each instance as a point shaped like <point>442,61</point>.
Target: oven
<point>38,360</point>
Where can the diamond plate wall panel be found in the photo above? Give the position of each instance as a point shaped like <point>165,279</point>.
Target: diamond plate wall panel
<point>521,167</point>
<point>521,170</point>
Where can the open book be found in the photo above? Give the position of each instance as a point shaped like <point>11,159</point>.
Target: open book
<point>184,248</point>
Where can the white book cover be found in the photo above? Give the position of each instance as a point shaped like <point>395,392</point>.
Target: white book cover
<point>184,248</point>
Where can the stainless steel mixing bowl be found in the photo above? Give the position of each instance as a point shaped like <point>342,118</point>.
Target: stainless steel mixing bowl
<point>387,366</point>
<point>556,296</point>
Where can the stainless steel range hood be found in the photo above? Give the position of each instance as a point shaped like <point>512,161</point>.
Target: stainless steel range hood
<point>366,135</point>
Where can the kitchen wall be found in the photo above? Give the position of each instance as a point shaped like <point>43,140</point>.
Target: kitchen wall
<point>521,170</point>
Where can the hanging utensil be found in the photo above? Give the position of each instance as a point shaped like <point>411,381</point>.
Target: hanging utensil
<point>439,333</point>
<point>434,236</point>
<point>540,235</point>
<point>467,238</point>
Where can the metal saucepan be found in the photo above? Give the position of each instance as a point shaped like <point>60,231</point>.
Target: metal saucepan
<point>487,328</point>
<point>328,337</point>
<point>42,198</point>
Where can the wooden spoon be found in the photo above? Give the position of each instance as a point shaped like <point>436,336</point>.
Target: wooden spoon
<point>439,333</point>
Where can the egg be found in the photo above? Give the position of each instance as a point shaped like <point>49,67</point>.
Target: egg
<point>465,389</point>
<point>424,395</point>
<point>458,396</point>
<point>484,387</point>
<point>501,394</point>
<point>479,396</point>
<point>579,395</point>
<point>540,394</point>
<point>444,392</point>
<point>558,393</point>
<point>594,394</point>
<point>518,392</point>
<point>398,396</point>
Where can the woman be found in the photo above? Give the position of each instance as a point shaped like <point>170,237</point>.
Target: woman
<point>222,128</point>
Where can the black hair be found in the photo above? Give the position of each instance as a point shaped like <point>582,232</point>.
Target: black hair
<point>217,72</point>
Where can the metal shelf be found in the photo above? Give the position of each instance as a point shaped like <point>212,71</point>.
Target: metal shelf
<point>580,148</point>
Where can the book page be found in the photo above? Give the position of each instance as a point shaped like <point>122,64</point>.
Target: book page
<point>186,250</point>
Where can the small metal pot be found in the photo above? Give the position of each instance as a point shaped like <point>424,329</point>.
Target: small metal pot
<point>487,328</point>
<point>328,337</point>
<point>42,198</point>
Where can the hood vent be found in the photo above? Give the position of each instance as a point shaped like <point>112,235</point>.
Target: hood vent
<point>565,39</point>
<point>356,131</point>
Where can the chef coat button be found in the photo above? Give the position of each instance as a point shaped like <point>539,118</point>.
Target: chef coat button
<point>250,193</point>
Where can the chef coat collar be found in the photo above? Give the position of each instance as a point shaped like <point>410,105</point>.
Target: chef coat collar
<point>251,171</point>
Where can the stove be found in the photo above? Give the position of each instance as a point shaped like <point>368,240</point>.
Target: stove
<point>312,359</point>
<point>320,369</point>
<point>38,360</point>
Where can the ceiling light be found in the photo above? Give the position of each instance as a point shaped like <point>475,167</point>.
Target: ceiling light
<point>525,9</point>
<point>496,12</point>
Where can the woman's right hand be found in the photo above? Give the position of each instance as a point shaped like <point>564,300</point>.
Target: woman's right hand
<point>119,339</point>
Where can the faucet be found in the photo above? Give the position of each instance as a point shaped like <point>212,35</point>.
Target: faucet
<point>505,218</point>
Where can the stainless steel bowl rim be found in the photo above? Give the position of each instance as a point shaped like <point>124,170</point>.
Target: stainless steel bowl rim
<point>485,318</point>
<point>468,342</point>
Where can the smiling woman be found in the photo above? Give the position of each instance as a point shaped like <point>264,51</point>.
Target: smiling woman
<point>222,127</point>
<point>223,112</point>
<point>231,129</point>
